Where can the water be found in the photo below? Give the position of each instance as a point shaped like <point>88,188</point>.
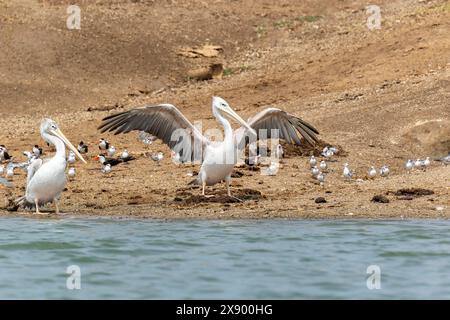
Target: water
<point>266,259</point>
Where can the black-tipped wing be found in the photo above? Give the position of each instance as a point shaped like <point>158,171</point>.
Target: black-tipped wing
<point>164,121</point>
<point>290,128</point>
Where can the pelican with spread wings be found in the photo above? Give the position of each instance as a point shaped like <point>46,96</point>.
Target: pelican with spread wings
<point>46,179</point>
<point>218,158</point>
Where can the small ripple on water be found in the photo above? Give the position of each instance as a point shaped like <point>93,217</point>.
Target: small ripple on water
<point>40,245</point>
<point>223,259</point>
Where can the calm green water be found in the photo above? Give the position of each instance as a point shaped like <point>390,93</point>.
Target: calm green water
<point>223,259</point>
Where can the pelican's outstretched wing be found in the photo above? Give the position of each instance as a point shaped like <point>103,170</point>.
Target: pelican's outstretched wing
<point>164,121</point>
<point>32,168</point>
<point>290,127</point>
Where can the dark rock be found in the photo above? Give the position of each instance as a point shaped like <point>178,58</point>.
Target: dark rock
<point>320,200</point>
<point>413,192</point>
<point>380,199</point>
<point>237,174</point>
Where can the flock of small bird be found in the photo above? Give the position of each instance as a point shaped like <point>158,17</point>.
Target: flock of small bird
<point>318,170</point>
<point>107,159</point>
<point>106,156</point>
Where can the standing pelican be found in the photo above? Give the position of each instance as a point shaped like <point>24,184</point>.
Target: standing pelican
<point>46,179</point>
<point>165,120</point>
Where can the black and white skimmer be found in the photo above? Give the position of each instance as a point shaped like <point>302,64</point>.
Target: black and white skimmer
<point>82,148</point>
<point>112,161</point>
<point>37,151</point>
<point>4,155</point>
<point>103,144</point>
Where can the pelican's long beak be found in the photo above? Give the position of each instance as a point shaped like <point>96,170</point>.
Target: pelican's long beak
<point>236,117</point>
<point>60,135</point>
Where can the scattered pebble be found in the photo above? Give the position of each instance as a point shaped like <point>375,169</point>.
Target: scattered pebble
<point>380,199</point>
<point>320,200</point>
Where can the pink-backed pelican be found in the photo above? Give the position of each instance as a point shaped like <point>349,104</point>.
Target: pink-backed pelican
<point>46,179</point>
<point>219,158</point>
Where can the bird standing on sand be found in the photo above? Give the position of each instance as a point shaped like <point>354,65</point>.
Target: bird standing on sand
<point>4,155</point>
<point>124,154</point>
<point>157,157</point>
<point>334,150</point>
<point>384,171</point>
<point>321,177</point>
<point>323,165</point>
<point>372,172</point>
<point>37,151</point>
<point>82,148</point>
<point>272,169</point>
<point>9,171</point>
<point>71,157</point>
<point>71,172</point>
<point>146,138</point>
<point>111,151</point>
<point>327,152</point>
<point>279,153</point>
<point>312,161</point>
<point>409,165</point>
<point>427,162</point>
<point>445,160</point>
<point>112,161</point>
<point>46,180</point>
<point>103,144</point>
<point>107,168</point>
<point>315,171</point>
<point>29,155</point>
<point>347,173</point>
<point>418,163</point>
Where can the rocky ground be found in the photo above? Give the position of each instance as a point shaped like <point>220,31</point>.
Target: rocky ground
<point>382,95</point>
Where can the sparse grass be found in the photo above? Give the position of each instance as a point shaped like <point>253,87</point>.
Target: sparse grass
<point>245,68</point>
<point>260,31</point>
<point>230,71</point>
<point>227,72</point>
<point>308,18</point>
<point>283,23</point>
<point>443,8</point>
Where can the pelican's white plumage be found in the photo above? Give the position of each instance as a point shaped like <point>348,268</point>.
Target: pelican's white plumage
<point>167,123</point>
<point>46,179</point>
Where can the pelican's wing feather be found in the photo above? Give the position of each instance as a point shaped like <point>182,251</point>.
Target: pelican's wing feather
<point>33,168</point>
<point>164,121</point>
<point>291,128</point>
